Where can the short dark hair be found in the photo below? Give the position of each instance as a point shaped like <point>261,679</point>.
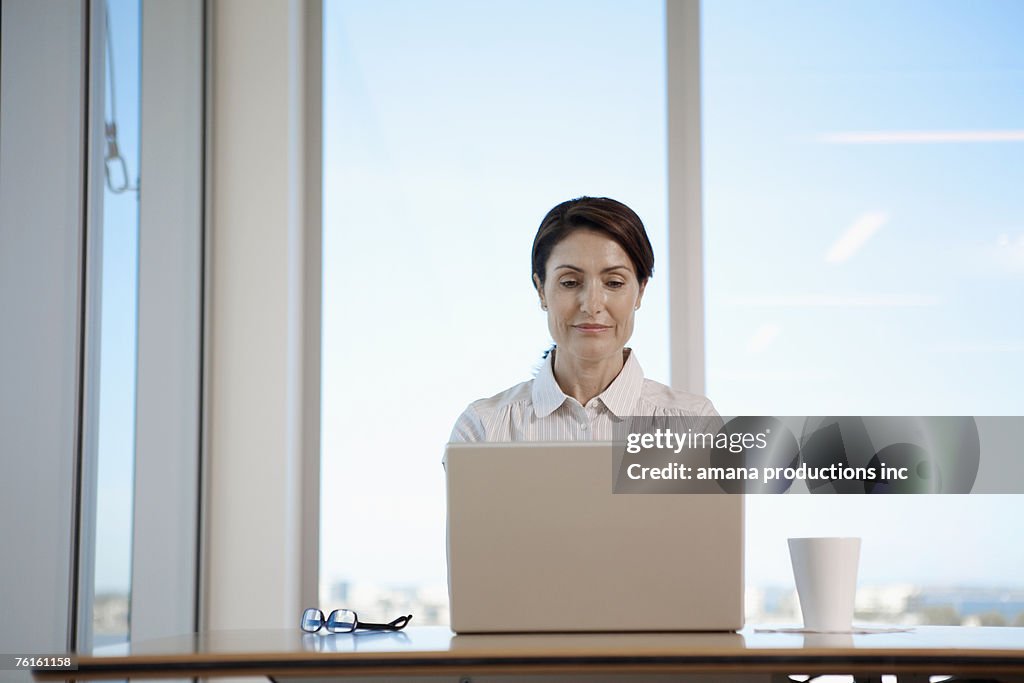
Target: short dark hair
<point>602,214</point>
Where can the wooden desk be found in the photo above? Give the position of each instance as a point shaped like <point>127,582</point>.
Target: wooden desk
<point>436,652</point>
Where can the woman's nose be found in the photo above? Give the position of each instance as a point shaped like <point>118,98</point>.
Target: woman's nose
<point>592,300</point>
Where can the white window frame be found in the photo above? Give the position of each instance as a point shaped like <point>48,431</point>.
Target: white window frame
<point>165,544</point>
<point>685,195</point>
<point>261,520</point>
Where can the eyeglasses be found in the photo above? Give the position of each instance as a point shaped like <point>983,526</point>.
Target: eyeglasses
<point>345,621</point>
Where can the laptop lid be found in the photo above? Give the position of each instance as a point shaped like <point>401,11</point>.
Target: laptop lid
<point>538,542</point>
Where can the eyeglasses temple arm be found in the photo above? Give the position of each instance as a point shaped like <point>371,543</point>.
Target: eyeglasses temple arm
<point>396,625</point>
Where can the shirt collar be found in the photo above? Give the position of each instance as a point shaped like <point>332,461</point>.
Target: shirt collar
<point>620,397</point>
<point>547,395</point>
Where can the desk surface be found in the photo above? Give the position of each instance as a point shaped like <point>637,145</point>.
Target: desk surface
<point>436,650</point>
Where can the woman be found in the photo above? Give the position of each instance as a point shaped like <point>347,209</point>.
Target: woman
<point>591,264</point>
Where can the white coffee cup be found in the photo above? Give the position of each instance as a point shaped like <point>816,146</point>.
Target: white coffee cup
<point>825,570</point>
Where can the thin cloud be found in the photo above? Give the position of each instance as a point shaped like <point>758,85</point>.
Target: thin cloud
<point>832,301</point>
<point>762,337</point>
<point>899,137</point>
<point>980,347</point>
<point>851,241</point>
<point>793,375</point>
<point>1008,254</point>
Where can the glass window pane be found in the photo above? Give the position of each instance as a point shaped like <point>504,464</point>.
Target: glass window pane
<point>118,328</point>
<point>864,244</point>
<point>450,129</point>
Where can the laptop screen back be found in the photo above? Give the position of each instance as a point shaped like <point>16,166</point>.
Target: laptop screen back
<point>538,542</point>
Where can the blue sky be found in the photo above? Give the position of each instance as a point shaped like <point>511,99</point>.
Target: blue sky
<point>116,431</point>
<point>944,259</point>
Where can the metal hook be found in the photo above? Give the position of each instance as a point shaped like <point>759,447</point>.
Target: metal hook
<point>114,159</point>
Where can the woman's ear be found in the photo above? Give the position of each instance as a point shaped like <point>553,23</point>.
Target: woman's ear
<point>640,296</point>
<point>540,291</point>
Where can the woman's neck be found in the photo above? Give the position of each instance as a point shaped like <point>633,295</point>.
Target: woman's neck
<point>583,380</point>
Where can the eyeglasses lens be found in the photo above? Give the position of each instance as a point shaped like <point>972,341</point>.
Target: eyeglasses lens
<point>341,621</point>
<point>312,620</point>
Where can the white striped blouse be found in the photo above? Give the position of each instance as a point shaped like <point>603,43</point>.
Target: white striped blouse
<point>538,410</point>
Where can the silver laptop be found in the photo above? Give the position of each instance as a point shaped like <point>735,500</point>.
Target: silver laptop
<point>538,542</point>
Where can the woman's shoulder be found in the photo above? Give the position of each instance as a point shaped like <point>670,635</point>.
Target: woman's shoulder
<point>476,419</point>
<point>504,399</point>
<point>658,399</point>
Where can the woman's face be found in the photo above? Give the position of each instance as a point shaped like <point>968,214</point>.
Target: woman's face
<point>591,293</point>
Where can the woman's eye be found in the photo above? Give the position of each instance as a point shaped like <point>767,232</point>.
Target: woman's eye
<point>615,284</point>
<point>568,283</point>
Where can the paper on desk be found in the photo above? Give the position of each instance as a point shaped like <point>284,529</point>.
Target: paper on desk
<point>856,630</point>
